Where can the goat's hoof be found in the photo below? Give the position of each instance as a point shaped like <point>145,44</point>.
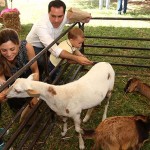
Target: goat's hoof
<point>82,131</point>
<point>63,133</point>
<point>82,147</point>
<point>79,130</point>
<point>85,120</point>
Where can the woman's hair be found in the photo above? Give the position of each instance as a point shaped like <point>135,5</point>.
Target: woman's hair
<point>74,33</point>
<point>5,36</point>
<point>9,35</point>
<point>57,4</point>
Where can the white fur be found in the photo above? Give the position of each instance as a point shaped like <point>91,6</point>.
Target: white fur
<point>70,99</point>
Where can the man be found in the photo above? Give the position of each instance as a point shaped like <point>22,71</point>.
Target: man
<point>104,3</point>
<point>49,27</point>
<point>122,8</point>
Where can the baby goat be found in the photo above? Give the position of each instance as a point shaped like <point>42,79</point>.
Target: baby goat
<point>70,99</point>
<point>135,85</point>
<point>120,133</point>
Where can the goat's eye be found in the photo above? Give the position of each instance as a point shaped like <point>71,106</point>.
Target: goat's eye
<point>17,91</point>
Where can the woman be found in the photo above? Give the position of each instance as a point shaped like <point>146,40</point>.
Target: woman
<point>14,54</point>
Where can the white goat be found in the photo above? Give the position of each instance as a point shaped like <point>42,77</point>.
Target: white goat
<point>70,99</point>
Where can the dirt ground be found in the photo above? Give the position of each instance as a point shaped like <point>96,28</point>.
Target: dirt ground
<point>143,4</point>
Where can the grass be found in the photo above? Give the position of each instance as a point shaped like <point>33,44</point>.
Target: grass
<point>121,103</point>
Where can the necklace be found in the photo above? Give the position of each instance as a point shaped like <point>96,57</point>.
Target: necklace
<point>70,46</point>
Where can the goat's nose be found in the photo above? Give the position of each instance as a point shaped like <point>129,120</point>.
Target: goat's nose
<point>126,90</point>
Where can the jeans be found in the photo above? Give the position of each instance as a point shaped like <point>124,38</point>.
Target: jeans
<point>0,110</point>
<point>40,60</point>
<point>120,5</point>
<point>1,141</point>
<point>41,63</point>
<point>16,104</point>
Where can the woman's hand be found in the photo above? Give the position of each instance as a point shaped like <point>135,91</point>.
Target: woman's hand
<point>2,81</point>
<point>33,102</point>
<point>3,93</point>
<point>2,96</point>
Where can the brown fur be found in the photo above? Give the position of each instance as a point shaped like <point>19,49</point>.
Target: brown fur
<point>67,111</point>
<point>51,90</point>
<point>121,133</point>
<point>136,85</point>
<point>108,76</point>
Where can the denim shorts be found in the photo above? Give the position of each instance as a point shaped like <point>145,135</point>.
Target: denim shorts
<point>1,141</point>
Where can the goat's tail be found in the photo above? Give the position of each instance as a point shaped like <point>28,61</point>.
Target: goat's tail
<point>89,134</point>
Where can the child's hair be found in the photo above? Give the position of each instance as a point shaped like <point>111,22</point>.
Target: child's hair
<point>74,33</point>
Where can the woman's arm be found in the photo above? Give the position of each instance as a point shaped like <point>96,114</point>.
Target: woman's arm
<point>3,93</point>
<point>34,68</point>
<point>31,55</point>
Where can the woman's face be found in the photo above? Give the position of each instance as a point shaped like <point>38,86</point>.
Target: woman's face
<point>9,50</point>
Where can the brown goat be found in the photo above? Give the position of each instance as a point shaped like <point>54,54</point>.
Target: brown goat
<point>135,85</point>
<point>120,133</point>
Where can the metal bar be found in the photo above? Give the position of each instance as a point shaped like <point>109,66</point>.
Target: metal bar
<point>127,65</point>
<point>13,120</point>
<point>133,74</point>
<point>30,130</point>
<point>17,132</point>
<point>49,127</point>
<point>75,73</point>
<point>61,73</point>
<point>39,133</point>
<point>118,18</point>
<point>130,65</point>
<point>112,55</point>
<point>118,47</point>
<point>118,38</point>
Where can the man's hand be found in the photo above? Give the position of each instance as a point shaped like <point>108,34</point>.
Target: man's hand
<point>78,59</point>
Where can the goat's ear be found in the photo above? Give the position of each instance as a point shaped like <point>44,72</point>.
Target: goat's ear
<point>32,76</point>
<point>33,93</point>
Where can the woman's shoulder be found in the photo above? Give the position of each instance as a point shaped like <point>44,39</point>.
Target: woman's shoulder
<point>23,42</point>
<point>23,49</point>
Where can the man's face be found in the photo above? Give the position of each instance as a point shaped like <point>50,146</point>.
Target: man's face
<point>56,16</point>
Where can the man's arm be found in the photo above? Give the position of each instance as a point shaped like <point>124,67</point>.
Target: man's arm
<point>78,53</point>
<point>79,59</point>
